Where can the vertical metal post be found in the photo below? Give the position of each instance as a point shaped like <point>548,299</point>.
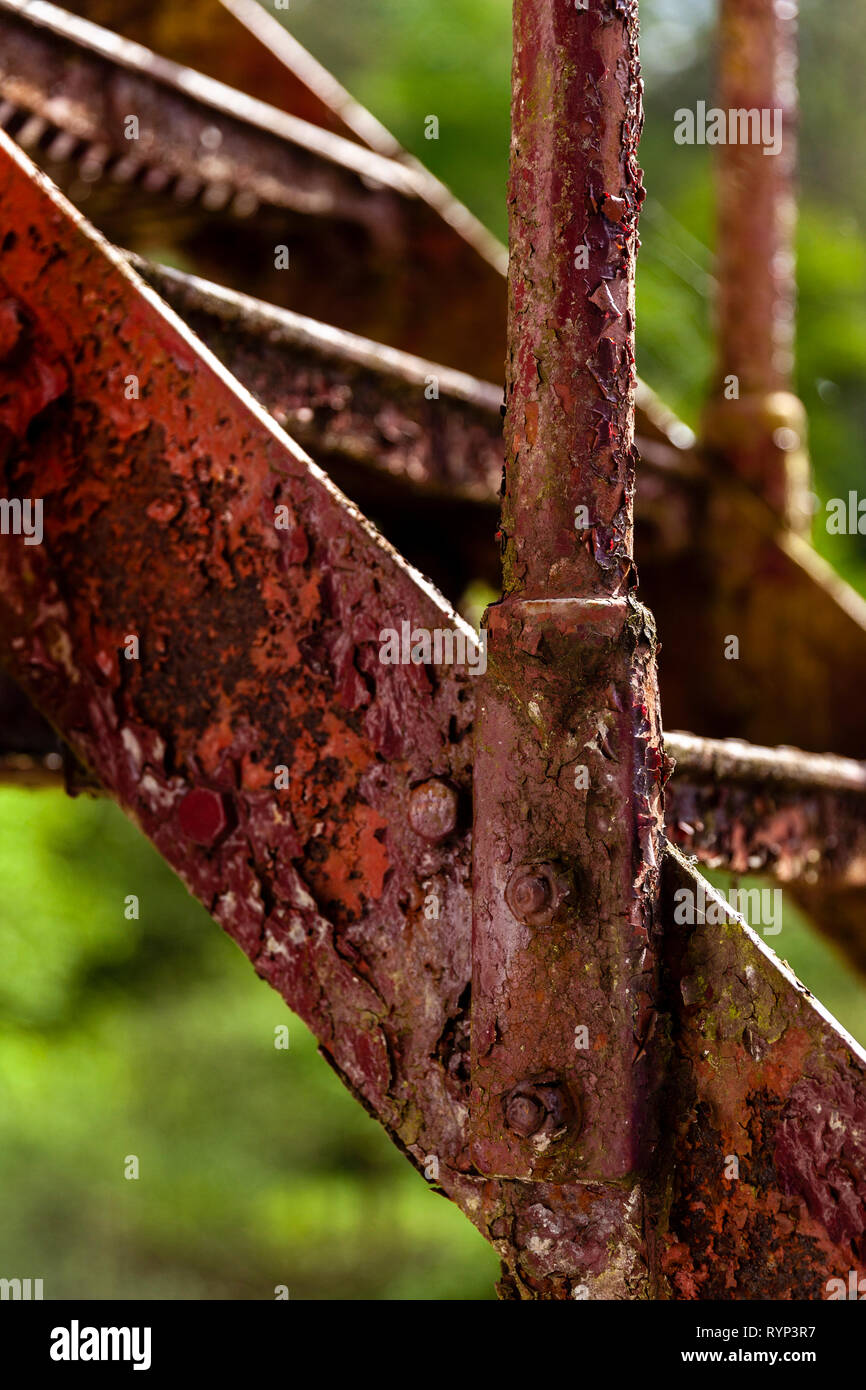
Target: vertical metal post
<point>753,419</point>
<point>568,762</point>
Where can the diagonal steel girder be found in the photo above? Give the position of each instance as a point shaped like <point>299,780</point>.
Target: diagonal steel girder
<point>241,43</point>
<point>259,649</point>
<point>205,158</point>
<point>429,471</point>
<point>361,409</point>
<point>800,620</point>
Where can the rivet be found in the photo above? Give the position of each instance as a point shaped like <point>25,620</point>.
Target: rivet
<point>203,816</point>
<point>433,809</point>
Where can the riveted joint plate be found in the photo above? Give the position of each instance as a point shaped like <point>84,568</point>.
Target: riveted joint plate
<point>568,777</point>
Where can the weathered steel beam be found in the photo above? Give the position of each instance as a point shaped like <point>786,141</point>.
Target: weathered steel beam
<point>753,420</point>
<point>801,619</point>
<point>794,815</point>
<point>67,88</point>
<point>404,437</point>
<point>795,621</point>
<point>348,398</point>
<point>762,1167</point>
<point>568,759</point>
<point>241,43</point>
<point>361,409</point>
<point>257,644</point>
<point>798,817</point>
<point>83,80</point>
<point>259,648</point>
<point>347,883</point>
<point>48,100</point>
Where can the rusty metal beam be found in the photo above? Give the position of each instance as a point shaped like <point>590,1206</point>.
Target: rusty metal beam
<point>241,43</point>
<point>762,1169</point>
<point>207,157</point>
<point>361,410</point>
<point>259,648</point>
<point>798,817</point>
<point>189,472</point>
<point>568,762</point>
<point>800,619</point>
<point>82,80</point>
<point>279,342</point>
<point>768,810</point>
<point>413,442</point>
<point>345,397</point>
<point>259,651</point>
<point>753,420</point>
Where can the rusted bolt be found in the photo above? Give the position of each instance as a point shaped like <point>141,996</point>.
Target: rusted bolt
<point>534,893</point>
<point>12,325</point>
<point>529,894</point>
<point>203,816</point>
<point>539,1110</point>
<point>524,1115</point>
<point>433,809</point>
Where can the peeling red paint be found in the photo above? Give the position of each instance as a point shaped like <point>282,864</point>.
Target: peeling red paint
<point>766,1123</point>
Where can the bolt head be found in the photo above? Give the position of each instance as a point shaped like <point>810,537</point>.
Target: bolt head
<point>540,1110</point>
<point>524,1114</point>
<point>433,810</point>
<point>531,894</point>
<point>534,893</point>
<point>203,816</point>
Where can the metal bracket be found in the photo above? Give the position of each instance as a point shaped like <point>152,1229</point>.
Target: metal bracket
<point>568,776</point>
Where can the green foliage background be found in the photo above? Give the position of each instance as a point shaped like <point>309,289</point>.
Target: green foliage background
<point>154,1037</point>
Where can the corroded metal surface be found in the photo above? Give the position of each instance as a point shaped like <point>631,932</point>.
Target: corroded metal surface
<point>800,618</point>
<point>753,420</point>
<point>795,815</point>
<point>563,993</point>
<point>798,817</point>
<point>240,42</point>
<point>361,409</point>
<point>207,157</point>
<point>413,442</point>
<point>345,397</point>
<point>258,649</point>
<point>763,1190</point>
<point>756,211</point>
<point>568,759</point>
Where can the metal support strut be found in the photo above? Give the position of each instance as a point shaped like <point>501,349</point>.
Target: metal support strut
<point>568,763</point>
